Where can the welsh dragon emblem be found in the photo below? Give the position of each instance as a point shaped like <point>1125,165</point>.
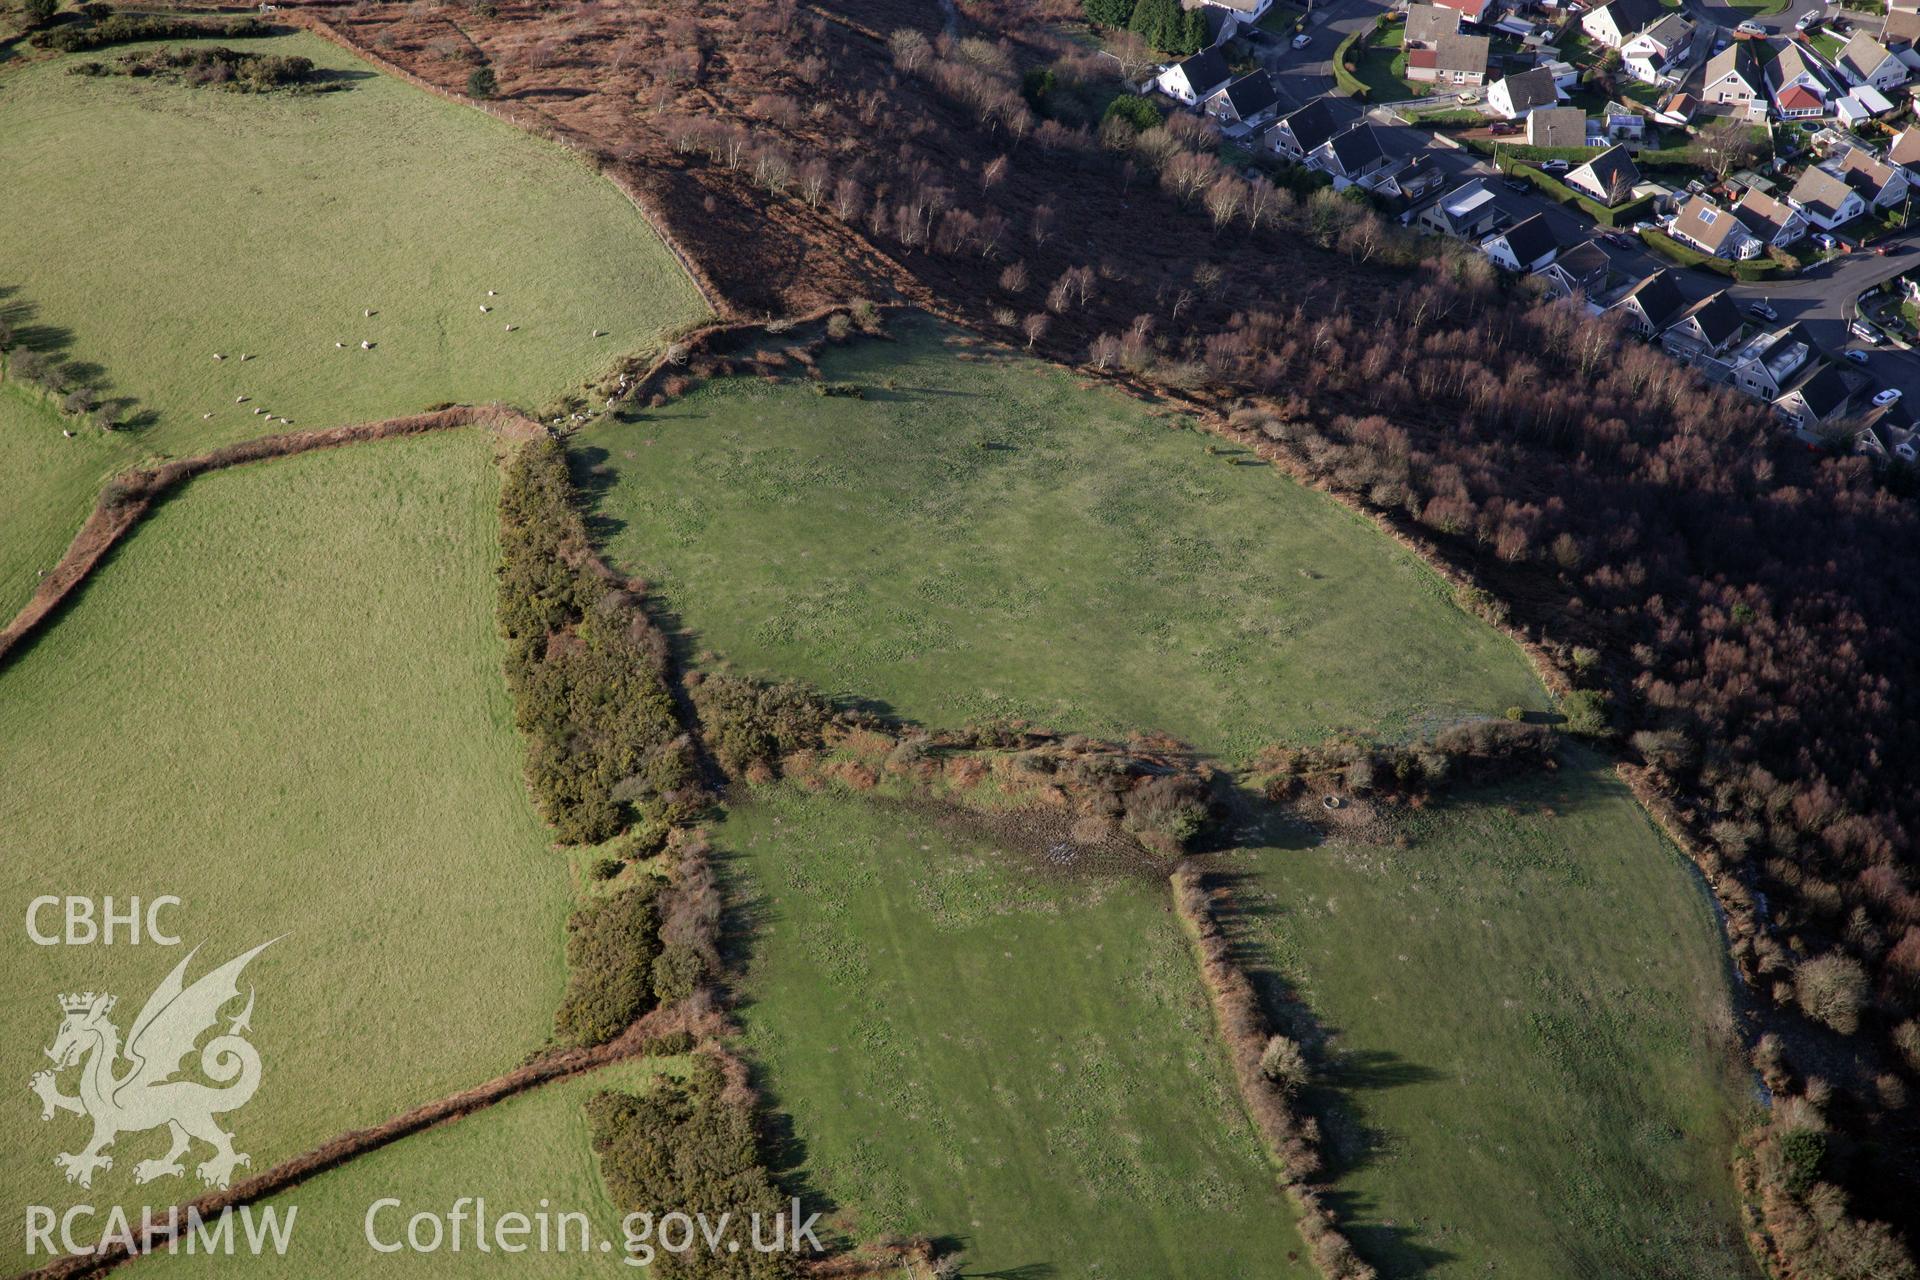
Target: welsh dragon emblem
<point>144,1093</point>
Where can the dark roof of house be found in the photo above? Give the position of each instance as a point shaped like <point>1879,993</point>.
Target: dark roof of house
<point>1659,297</point>
<point>1206,70</point>
<point>1356,148</point>
<point>1609,167</point>
<point>1762,214</point>
<point>1631,15</point>
<point>1585,262</point>
<point>1719,319</point>
<point>1532,89</point>
<point>1311,125</point>
<point>1866,173</point>
<point>1825,392</point>
<point>1530,238</point>
<point>1252,94</point>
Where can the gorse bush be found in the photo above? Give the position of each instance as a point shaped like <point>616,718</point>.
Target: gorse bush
<point>695,1149</point>
<point>1462,754</point>
<point>127,28</point>
<point>586,667</point>
<point>611,946</point>
<point>219,67</point>
<point>750,722</point>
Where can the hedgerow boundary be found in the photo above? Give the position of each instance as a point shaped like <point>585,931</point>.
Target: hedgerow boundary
<point>638,1040</point>
<point>127,499</point>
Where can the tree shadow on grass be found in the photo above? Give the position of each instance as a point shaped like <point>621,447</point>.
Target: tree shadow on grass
<point>1335,1097</point>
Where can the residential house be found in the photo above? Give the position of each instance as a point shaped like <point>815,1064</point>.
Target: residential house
<point>1350,158</point>
<point>1417,179</point>
<point>1865,60</point>
<point>1565,74</point>
<point>1245,10</point>
<point>1819,400</point>
<point>1733,77</point>
<point>1556,127</point>
<point>1900,30</point>
<point>1677,109</point>
<point>1426,23</point>
<point>1650,54</point>
<point>1703,225</point>
<point>1470,211</point>
<point>1195,79</point>
<point>1251,100</point>
<point>1826,198</point>
<point>1798,87</point>
<point>1707,328</point>
<point>1474,11</point>
<point>1888,435</point>
<point>1453,60</point>
<point>1608,178</point>
<point>1617,22</point>
<point>1880,184</point>
<point>1651,306</point>
<point>1773,222</point>
<point>1905,150</point>
<point>1527,245</point>
<point>1518,95</point>
<point>1299,133</point>
<point>1770,362</point>
<point>1584,271</point>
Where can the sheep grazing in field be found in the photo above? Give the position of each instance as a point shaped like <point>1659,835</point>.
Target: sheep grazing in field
<point>599,333</point>
<point>218,356</point>
<point>67,434</point>
<point>205,416</point>
<point>239,399</point>
<point>244,357</point>
<point>339,346</point>
<point>512,327</point>
<point>484,308</point>
<point>258,410</point>
<point>368,312</point>
<point>365,345</point>
<point>492,294</point>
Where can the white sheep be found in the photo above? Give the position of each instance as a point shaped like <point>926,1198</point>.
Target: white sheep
<point>368,312</point>
<point>218,356</point>
<point>365,345</point>
<point>512,327</point>
<point>239,399</point>
<point>599,333</point>
<point>484,308</point>
<point>491,294</point>
<point>339,346</point>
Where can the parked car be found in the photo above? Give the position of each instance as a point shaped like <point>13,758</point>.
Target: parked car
<point>1643,226</point>
<point>1865,332</point>
<point>1762,310</point>
<point>1858,357</point>
<point>1721,43</point>
<point>1888,396</point>
<point>1502,128</point>
<point>1826,242</point>
<point>1807,21</point>
<point>1750,30</point>
<point>1618,239</point>
<point>1555,166</point>
<point>1302,40</point>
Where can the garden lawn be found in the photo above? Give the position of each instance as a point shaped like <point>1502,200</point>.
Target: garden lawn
<point>47,486</point>
<point>529,1151</point>
<point>968,1048</point>
<point>1531,1065</point>
<point>281,701</point>
<point>1382,66</point>
<point>151,225</point>
<point>986,535</point>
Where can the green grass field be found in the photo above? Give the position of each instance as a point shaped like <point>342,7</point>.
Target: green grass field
<point>530,1149</point>
<point>971,1049</point>
<point>985,537</point>
<point>282,701</point>
<point>1530,1023</point>
<point>152,225</point>
<point>48,487</point>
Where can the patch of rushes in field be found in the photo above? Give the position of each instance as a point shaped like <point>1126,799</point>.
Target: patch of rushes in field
<point>531,1154</point>
<point>1530,1035</point>
<point>281,701</point>
<point>152,226</point>
<point>47,486</point>
<point>982,536</point>
<point>1021,1061</point>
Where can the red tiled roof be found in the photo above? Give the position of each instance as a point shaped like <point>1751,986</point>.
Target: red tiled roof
<point>1473,9</point>
<point>1423,57</point>
<point>1798,97</point>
